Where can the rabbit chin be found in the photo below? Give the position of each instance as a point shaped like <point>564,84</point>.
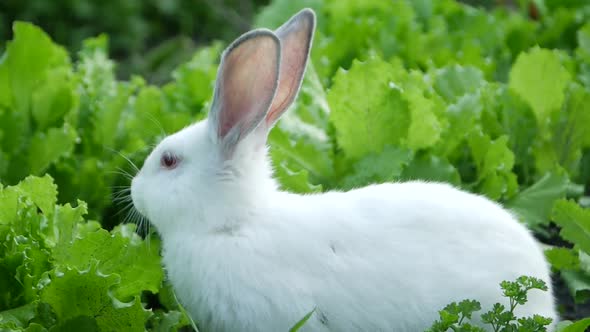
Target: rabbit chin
<point>194,195</point>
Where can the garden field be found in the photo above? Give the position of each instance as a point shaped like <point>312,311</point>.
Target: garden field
<point>494,100</point>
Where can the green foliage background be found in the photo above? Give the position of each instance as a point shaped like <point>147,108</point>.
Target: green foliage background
<point>492,101</point>
<point>149,37</point>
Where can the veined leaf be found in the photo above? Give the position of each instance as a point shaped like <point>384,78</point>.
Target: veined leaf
<point>534,204</point>
<point>528,77</point>
<point>575,223</point>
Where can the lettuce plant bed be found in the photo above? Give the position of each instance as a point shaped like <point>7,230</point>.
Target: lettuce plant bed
<point>491,101</point>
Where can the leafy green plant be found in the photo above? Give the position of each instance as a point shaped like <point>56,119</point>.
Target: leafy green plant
<point>572,263</point>
<point>148,37</point>
<point>456,316</point>
<point>60,271</point>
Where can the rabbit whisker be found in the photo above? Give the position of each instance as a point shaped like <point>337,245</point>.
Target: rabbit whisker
<point>126,209</point>
<point>156,122</point>
<point>122,173</point>
<point>124,157</point>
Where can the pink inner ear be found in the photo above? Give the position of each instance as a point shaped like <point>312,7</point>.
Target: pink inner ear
<point>246,84</point>
<point>286,92</point>
<point>295,38</point>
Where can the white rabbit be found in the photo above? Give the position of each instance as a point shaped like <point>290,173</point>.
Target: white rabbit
<point>245,256</point>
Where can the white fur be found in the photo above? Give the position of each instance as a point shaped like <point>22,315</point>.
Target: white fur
<point>244,256</point>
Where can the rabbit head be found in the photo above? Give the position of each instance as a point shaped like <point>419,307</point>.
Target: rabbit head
<point>220,163</point>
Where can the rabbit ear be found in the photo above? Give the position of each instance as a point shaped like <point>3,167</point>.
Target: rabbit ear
<point>247,80</point>
<point>296,36</point>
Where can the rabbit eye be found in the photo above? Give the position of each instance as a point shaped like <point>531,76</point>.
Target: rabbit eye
<point>168,160</point>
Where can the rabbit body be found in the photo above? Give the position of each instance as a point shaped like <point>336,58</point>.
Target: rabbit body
<point>382,258</point>
<point>244,256</point>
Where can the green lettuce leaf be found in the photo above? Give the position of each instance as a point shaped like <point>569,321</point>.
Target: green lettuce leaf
<point>494,162</point>
<point>575,223</point>
<point>578,283</point>
<point>120,252</point>
<point>367,108</point>
<point>563,258</point>
<point>533,205</point>
<point>579,326</point>
<point>386,166</point>
<point>28,58</point>
<point>170,321</point>
<point>85,296</point>
<point>453,82</point>
<point>429,167</point>
<point>528,78</point>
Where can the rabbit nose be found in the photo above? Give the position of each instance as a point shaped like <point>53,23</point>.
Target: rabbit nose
<point>137,198</point>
